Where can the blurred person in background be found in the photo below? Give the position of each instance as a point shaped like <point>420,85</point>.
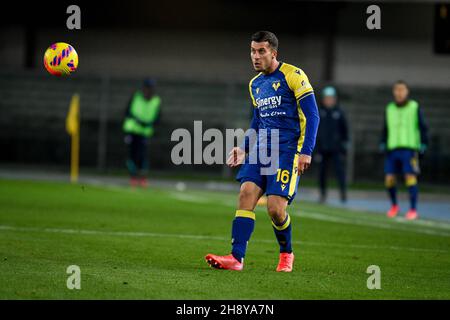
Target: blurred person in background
<point>404,136</point>
<point>141,115</point>
<point>332,142</point>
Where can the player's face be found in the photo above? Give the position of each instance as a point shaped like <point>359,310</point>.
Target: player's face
<point>147,92</point>
<point>262,55</point>
<point>400,92</point>
<point>329,101</point>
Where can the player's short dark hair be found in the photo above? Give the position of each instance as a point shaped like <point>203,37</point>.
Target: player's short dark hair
<point>401,82</point>
<point>263,36</point>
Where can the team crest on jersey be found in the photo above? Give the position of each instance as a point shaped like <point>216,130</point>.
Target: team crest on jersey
<point>283,186</point>
<point>276,85</point>
<point>257,90</point>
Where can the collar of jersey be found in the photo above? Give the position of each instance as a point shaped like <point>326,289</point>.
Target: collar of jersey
<point>272,73</point>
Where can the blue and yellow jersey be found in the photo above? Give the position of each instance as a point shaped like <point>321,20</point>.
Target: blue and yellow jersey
<point>284,100</point>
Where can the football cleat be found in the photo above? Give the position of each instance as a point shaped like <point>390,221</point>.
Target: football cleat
<point>134,182</point>
<point>411,214</point>
<point>393,211</point>
<point>143,183</point>
<point>224,262</point>
<point>286,262</point>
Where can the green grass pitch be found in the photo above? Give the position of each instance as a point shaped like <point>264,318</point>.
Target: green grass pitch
<point>150,244</point>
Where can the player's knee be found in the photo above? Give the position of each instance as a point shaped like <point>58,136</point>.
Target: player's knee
<point>276,211</point>
<point>410,180</point>
<point>389,181</point>
<point>247,199</point>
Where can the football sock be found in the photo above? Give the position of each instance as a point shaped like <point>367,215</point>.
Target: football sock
<point>283,232</point>
<point>411,183</point>
<point>413,191</point>
<point>392,191</point>
<point>243,226</point>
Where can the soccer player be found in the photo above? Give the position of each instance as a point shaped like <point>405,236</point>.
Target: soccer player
<point>404,136</point>
<point>283,99</point>
<point>140,117</point>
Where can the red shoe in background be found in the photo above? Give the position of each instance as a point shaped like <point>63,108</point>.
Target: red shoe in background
<point>144,182</point>
<point>411,214</point>
<point>134,182</point>
<point>393,211</point>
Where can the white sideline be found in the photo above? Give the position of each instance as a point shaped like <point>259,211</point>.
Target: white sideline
<point>366,223</point>
<point>418,226</point>
<point>200,237</point>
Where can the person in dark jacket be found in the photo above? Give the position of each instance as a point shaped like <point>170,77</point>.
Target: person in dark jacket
<point>332,142</point>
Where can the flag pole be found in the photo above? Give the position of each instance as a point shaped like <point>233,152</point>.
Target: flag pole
<point>75,156</point>
<point>73,129</point>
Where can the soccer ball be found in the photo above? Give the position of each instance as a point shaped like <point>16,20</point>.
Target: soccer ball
<point>60,59</point>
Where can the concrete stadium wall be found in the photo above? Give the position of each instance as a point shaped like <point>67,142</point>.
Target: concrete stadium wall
<point>225,56</point>
<point>382,61</point>
<point>34,107</point>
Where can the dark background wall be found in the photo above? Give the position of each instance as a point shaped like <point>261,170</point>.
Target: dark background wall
<point>199,53</point>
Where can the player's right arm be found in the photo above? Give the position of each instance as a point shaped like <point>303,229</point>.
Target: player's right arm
<point>237,154</point>
<point>254,125</point>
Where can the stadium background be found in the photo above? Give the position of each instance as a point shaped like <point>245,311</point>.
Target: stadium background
<point>133,243</point>
<point>199,56</point>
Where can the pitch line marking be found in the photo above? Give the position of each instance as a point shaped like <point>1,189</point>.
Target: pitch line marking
<point>201,237</point>
<point>324,217</point>
<point>411,227</point>
<point>340,219</point>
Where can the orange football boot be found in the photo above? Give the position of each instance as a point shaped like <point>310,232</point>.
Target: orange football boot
<point>224,262</point>
<point>286,262</point>
<point>411,214</point>
<point>393,211</point>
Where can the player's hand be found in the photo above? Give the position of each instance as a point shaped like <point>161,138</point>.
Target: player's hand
<point>304,161</point>
<point>235,157</point>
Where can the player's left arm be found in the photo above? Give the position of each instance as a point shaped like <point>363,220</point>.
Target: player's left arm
<point>423,131</point>
<point>304,94</point>
<point>157,118</point>
<point>308,106</point>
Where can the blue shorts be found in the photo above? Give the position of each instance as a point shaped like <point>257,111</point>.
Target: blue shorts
<point>402,161</point>
<point>283,183</point>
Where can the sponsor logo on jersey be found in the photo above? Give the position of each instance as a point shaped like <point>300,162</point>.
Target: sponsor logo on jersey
<point>274,100</point>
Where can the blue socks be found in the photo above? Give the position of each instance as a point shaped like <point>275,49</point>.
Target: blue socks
<point>413,192</point>
<point>243,226</point>
<point>283,232</point>
<point>392,191</point>
<point>411,183</point>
